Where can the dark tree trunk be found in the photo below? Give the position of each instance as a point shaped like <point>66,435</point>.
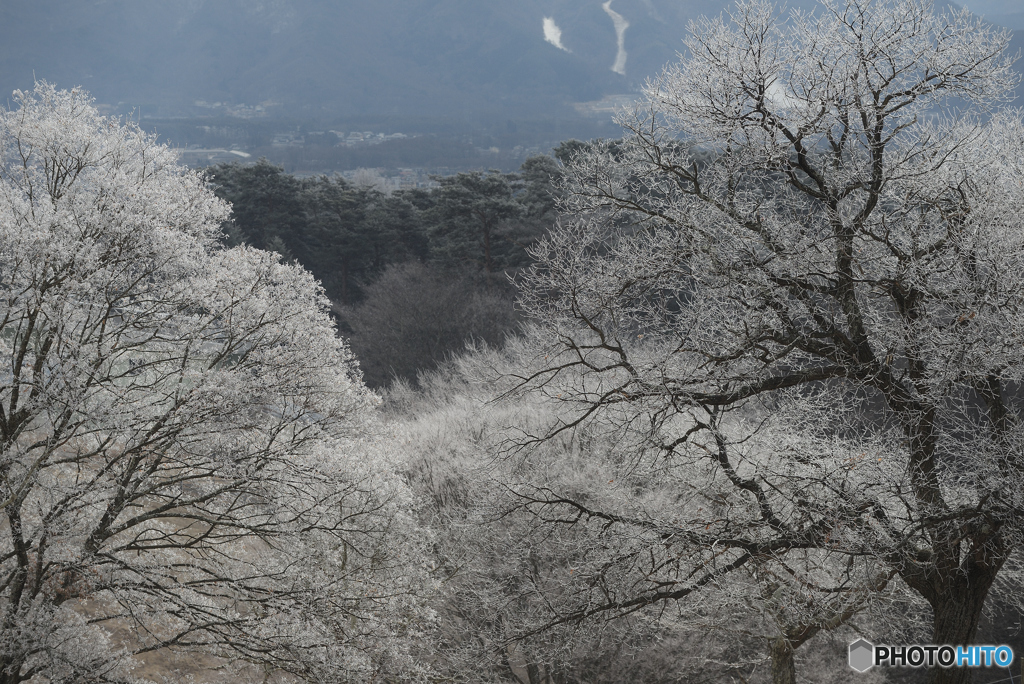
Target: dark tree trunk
<point>956,623</point>
<point>783,665</point>
<point>957,601</point>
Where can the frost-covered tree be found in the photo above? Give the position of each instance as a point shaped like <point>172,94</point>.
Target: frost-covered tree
<point>505,579</point>
<point>186,452</point>
<point>794,294</point>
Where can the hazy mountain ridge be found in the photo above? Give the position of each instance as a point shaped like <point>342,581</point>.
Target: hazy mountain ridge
<point>440,58</point>
<point>436,56</point>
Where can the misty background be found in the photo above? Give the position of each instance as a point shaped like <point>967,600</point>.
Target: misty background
<point>323,86</point>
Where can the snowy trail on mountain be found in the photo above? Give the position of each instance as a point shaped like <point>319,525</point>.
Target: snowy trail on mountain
<point>620,34</point>
<point>553,34</point>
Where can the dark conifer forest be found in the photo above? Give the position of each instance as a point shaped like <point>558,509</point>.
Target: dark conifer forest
<point>413,275</point>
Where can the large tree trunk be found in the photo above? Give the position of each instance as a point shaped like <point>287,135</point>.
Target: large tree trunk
<point>783,665</point>
<point>956,623</point>
<point>958,604</point>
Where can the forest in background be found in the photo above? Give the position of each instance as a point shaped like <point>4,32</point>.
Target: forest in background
<point>413,275</point>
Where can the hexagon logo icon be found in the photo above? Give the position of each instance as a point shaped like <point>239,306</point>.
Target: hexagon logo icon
<point>862,655</point>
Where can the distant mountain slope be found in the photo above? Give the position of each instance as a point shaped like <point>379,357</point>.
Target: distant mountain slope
<point>354,57</point>
<point>448,58</point>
